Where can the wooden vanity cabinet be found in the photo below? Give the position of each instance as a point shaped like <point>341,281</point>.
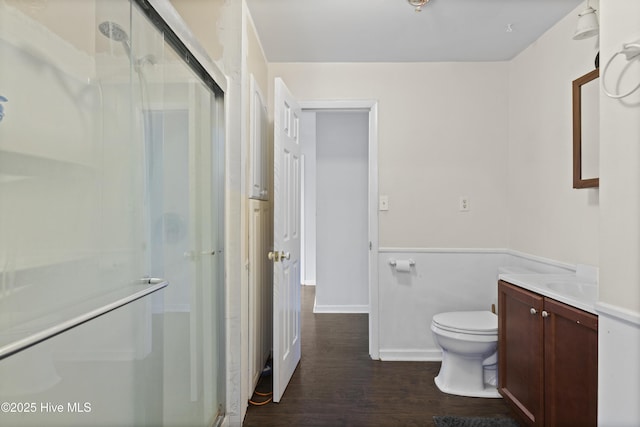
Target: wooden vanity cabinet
<point>570,366</point>
<point>547,359</point>
<point>520,351</point>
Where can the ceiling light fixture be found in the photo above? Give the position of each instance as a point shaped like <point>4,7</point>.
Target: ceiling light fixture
<point>587,24</point>
<point>418,4</point>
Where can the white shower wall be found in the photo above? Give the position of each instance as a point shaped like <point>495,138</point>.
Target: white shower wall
<point>66,176</point>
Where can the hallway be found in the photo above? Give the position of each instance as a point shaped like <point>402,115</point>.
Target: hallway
<point>337,384</point>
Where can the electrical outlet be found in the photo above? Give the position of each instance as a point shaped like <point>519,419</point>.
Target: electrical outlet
<point>464,204</point>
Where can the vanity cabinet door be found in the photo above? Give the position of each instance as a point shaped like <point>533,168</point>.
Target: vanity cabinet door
<point>520,351</point>
<point>571,366</point>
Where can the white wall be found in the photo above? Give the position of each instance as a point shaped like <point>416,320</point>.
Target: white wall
<point>547,217</point>
<point>342,165</point>
<point>308,151</point>
<point>620,161</point>
<point>619,286</point>
<point>442,134</point>
<point>442,280</point>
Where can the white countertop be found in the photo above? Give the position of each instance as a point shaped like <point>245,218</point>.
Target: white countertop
<point>577,291</point>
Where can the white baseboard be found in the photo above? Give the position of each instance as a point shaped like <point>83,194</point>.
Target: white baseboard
<point>404,355</point>
<point>309,283</point>
<point>340,308</point>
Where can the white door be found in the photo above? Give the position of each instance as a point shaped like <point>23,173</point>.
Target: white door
<point>286,239</point>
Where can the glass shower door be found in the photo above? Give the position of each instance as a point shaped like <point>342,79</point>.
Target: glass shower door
<point>110,172</point>
<point>79,341</point>
<point>184,151</point>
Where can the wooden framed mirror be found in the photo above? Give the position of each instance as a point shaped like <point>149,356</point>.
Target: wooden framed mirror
<point>586,130</point>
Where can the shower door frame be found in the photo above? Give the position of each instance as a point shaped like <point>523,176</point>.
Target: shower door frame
<point>162,14</point>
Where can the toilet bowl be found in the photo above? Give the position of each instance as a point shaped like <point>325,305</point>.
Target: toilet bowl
<point>469,340</point>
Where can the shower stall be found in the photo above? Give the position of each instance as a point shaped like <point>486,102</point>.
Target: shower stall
<point>111,219</point>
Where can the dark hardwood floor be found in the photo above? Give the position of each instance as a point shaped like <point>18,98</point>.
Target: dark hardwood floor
<point>337,384</point>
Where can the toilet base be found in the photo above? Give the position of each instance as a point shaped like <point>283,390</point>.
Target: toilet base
<point>488,391</point>
<point>463,375</point>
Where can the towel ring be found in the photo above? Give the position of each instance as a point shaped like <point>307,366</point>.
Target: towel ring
<point>630,50</point>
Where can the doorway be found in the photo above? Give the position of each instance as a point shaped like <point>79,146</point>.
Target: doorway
<point>340,191</point>
<point>368,112</point>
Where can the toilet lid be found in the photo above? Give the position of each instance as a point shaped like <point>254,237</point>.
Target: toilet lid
<point>475,322</point>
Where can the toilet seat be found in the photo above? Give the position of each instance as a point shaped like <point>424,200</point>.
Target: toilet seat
<point>467,322</point>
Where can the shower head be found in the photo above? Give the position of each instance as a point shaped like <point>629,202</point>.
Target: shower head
<point>115,32</point>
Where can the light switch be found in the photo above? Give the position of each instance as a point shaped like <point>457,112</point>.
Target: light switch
<point>383,204</point>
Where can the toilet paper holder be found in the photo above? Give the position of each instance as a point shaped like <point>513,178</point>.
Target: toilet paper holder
<point>393,262</point>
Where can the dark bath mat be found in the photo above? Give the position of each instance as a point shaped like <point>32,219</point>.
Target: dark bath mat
<point>450,421</point>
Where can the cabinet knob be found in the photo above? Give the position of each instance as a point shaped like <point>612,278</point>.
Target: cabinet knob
<point>545,314</point>
<point>533,311</point>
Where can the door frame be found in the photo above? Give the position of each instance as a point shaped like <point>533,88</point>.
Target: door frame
<point>370,106</point>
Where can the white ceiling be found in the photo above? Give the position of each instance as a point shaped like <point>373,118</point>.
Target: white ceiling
<point>391,31</point>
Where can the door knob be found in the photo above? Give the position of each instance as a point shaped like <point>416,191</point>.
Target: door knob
<point>533,311</point>
<point>545,313</point>
<point>274,256</point>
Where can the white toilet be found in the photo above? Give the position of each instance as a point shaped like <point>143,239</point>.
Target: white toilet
<point>469,340</point>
